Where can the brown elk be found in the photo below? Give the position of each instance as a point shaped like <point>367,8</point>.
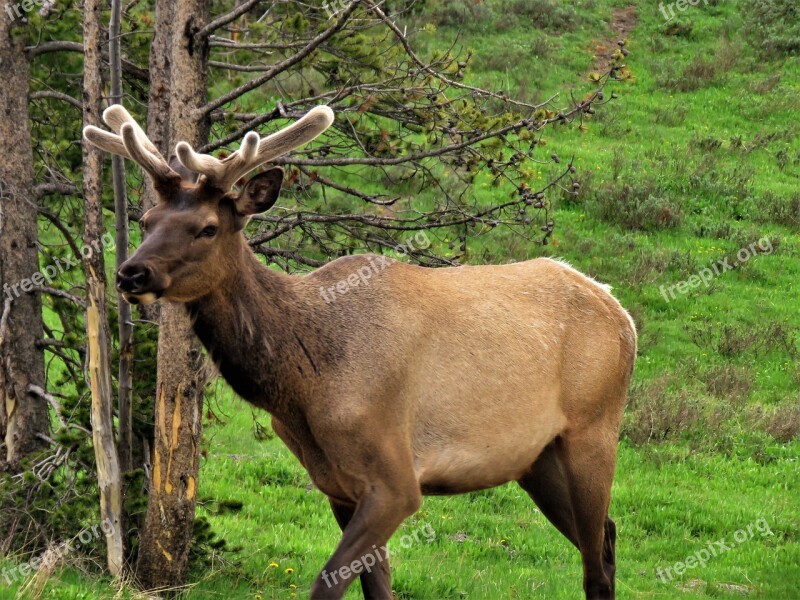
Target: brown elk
<point>422,381</point>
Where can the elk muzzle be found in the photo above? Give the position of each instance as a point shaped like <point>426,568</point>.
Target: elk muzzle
<point>137,283</point>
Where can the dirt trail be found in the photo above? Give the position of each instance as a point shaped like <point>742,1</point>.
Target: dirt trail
<point>623,20</point>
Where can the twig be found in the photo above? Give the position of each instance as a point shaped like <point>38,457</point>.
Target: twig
<point>38,391</point>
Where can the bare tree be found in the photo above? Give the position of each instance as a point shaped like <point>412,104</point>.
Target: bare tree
<point>408,122</point>
<point>23,414</point>
<point>167,533</point>
<point>109,477</point>
<point>125,325</point>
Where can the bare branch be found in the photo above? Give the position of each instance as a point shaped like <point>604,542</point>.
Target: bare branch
<point>55,46</point>
<point>225,19</point>
<point>283,65</point>
<point>41,393</point>
<point>47,94</point>
<point>407,47</point>
<point>401,159</point>
<point>53,218</point>
<point>231,45</point>
<point>370,199</point>
<point>60,294</point>
<point>241,68</point>
<point>47,189</point>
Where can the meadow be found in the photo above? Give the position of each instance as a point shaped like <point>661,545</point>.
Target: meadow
<point>696,163</point>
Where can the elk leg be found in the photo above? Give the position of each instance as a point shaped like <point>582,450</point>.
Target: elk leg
<point>588,458</point>
<point>378,582</point>
<point>610,552</point>
<point>546,484</point>
<point>379,512</point>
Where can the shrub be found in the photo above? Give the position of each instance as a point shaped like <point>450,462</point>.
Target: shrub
<point>541,14</point>
<point>730,382</point>
<point>678,27</point>
<point>503,15</point>
<point>783,210</point>
<point>740,339</point>
<point>696,75</point>
<point>773,26</point>
<point>462,14</point>
<point>782,423</point>
<point>655,414</point>
<point>636,205</point>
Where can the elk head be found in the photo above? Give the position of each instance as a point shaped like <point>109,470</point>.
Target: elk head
<point>192,237</point>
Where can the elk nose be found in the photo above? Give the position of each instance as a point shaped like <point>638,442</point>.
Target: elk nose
<point>133,278</point>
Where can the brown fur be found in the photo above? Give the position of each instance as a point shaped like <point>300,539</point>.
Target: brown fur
<point>416,381</point>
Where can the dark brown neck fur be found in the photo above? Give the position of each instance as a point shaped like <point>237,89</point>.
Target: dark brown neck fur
<point>263,334</point>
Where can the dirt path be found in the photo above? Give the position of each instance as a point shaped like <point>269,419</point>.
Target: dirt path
<point>623,20</point>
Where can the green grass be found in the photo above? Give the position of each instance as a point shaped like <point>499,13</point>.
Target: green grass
<point>705,135</point>
<point>668,502</point>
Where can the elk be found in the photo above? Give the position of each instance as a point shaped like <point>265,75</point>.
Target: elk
<point>423,381</point>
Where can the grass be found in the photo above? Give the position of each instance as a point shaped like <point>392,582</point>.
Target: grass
<point>696,160</point>
<point>669,501</point>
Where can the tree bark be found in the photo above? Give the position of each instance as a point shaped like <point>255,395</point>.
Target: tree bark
<point>167,535</point>
<point>109,478</point>
<point>23,416</point>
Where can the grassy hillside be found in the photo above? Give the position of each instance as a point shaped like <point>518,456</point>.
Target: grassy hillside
<point>695,165</point>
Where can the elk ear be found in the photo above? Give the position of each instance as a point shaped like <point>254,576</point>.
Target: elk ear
<point>260,193</point>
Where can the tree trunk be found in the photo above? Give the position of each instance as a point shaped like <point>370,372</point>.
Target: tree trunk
<point>23,416</point>
<point>124,322</point>
<point>158,132</point>
<point>167,534</point>
<point>160,81</point>
<point>109,478</point>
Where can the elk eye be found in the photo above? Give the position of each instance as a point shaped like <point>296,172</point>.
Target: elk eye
<point>209,231</point>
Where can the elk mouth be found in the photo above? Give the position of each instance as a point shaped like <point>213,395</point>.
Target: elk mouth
<point>141,298</point>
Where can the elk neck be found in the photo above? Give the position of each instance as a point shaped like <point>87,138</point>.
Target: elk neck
<point>263,334</point>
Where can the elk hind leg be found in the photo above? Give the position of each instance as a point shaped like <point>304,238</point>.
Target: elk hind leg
<point>588,458</point>
<point>546,484</point>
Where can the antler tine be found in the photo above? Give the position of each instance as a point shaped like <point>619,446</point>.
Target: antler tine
<point>152,162</point>
<point>221,173</point>
<point>117,115</point>
<point>130,142</point>
<point>313,124</point>
<point>254,151</point>
<point>105,141</point>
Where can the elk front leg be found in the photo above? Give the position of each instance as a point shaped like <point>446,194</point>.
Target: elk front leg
<point>376,579</point>
<point>379,512</point>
